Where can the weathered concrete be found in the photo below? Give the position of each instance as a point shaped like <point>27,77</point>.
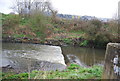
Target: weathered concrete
<point>112,62</point>
<point>51,54</point>
<point>20,56</point>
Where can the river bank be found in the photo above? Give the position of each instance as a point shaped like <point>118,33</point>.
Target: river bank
<point>81,42</point>
<point>71,72</point>
<point>92,33</point>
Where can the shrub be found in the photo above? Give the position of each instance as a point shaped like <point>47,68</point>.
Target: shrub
<point>92,29</point>
<point>37,23</point>
<point>84,43</point>
<point>67,40</point>
<point>10,21</point>
<point>112,29</point>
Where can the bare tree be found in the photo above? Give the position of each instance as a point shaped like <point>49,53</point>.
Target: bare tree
<point>22,6</point>
<point>26,6</point>
<point>50,9</point>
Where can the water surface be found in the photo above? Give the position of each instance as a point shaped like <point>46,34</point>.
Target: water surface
<point>19,56</point>
<point>85,56</point>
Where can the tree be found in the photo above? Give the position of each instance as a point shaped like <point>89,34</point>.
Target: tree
<point>51,10</point>
<point>33,6</point>
<point>22,7</point>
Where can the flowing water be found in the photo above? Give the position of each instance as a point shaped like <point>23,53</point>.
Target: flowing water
<point>14,56</point>
<point>23,57</point>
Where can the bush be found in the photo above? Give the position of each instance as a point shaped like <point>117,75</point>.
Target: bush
<point>84,43</point>
<point>37,22</point>
<point>97,23</point>
<point>67,40</point>
<point>92,29</point>
<point>10,21</point>
<point>112,29</point>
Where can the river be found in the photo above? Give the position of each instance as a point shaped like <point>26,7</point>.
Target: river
<point>84,56</point>
<point>12,53</point>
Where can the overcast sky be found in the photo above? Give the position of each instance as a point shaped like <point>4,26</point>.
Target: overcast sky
<point>98,8</point>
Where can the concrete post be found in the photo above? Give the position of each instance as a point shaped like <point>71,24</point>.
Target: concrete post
<point>112,62</point>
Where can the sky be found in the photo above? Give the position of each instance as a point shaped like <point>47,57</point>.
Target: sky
<point>97,8</point>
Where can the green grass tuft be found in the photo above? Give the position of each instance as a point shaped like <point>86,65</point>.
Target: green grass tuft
<point>73,71</point>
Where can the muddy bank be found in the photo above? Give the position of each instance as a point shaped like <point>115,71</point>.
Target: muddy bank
<point>59,42</point>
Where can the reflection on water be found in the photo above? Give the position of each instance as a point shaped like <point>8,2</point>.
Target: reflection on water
<point>87,56</point>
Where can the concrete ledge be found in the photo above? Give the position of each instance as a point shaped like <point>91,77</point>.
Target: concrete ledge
<point>20,56</point>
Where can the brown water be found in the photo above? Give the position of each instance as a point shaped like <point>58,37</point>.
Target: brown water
<point>84,56</point>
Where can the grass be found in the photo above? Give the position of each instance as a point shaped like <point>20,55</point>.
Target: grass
<point>77,32</point>
<point>72,72</point>
<point>42,27</point>
<point>67,40</point>
<point>24,21</point>
<point>18,35</point>
<point>84,43</point>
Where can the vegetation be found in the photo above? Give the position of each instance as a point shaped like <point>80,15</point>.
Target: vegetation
<point>84,43</point>
<point>37,26</point>
<point>67,41</point>
<point>40,28</point>
<point>72,72</point>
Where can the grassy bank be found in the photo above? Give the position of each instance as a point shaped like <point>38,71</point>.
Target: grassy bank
<point>39,28</point>
<point>71,72</point>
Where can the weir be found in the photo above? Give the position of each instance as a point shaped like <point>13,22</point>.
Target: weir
<point>21,57</point>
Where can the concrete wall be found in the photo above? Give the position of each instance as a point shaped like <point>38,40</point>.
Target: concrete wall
<point>112,62</point>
